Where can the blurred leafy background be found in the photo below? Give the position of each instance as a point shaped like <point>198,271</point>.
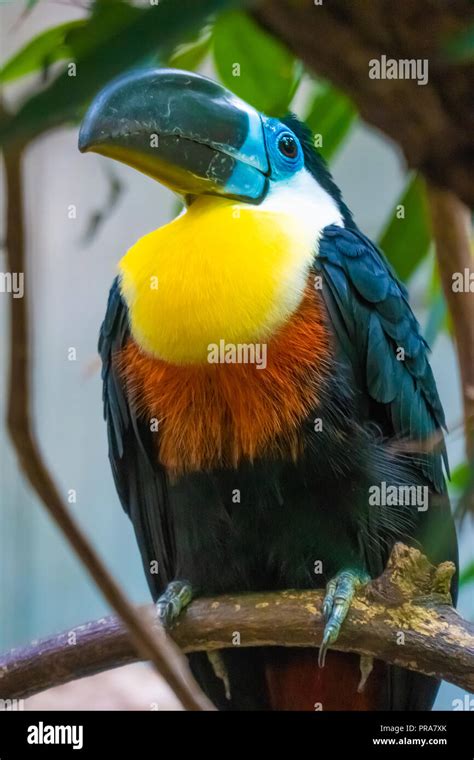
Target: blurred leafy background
<point>59,56</point>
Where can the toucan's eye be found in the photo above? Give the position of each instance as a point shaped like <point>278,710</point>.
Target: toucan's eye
<point>288,146</point>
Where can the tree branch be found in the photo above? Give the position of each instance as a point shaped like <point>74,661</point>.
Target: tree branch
<point>451,222</point>
<point>432,123</point>
<point>162,653</point>
<point>404,617</point>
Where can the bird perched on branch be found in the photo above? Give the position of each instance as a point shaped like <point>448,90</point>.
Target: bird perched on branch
<point>273,420</point>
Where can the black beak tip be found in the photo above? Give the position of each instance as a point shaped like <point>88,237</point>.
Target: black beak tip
<point>84,142</point>
<point>91,131</point>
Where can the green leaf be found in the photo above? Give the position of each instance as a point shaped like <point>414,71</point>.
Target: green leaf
<point>331,115</point>
<point>461,477</point>
<point>461,488</point>
<point>156,29</point>
<point>461,46</point>
<point>436,319</point>
<point>71,40</point>
<point>467,575</point>
<point>48,47</point>
<point>190,55</point>
<point>108,17</point>
<point>437,316</point>
<point>407,235</point>
<point>253,64</point>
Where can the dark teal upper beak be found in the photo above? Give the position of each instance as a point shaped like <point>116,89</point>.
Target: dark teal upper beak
<point>182,129</point>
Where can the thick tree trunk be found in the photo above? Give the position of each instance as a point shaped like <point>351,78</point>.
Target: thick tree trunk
<point>433,122</point>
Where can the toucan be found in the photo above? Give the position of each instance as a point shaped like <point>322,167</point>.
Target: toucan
<point>265,386</point>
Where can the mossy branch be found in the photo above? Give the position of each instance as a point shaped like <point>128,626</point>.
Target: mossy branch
<point>404,617</point>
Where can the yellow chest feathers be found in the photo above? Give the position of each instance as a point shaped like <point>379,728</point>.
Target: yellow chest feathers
<point>220,271</point>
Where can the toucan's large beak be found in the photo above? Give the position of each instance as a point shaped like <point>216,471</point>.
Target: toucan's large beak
<point>182,129</point>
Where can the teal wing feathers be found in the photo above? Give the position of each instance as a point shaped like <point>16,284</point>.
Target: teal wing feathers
<point>378,331</point>
<point>141,483</point>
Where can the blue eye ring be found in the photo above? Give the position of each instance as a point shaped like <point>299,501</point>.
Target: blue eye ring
<point>287,145</point>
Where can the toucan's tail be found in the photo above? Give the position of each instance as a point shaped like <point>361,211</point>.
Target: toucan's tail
<point>279,678</point>
<point>296,682</point>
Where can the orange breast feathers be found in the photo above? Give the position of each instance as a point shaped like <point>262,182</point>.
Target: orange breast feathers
<point>219,414</point>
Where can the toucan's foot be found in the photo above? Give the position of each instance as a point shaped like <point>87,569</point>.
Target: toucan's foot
<point>172,602</point>
<point>339,593</point>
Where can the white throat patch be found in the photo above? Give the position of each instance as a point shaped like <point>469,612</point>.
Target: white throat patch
<point>304,199</point>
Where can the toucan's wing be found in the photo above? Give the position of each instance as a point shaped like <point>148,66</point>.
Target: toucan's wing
<point>379,336</point>
<point>378,332</point>
<point>140,482</point>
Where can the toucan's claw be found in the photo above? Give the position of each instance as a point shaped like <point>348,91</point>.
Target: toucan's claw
<point>339,593</point>
<point>177,595</point>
